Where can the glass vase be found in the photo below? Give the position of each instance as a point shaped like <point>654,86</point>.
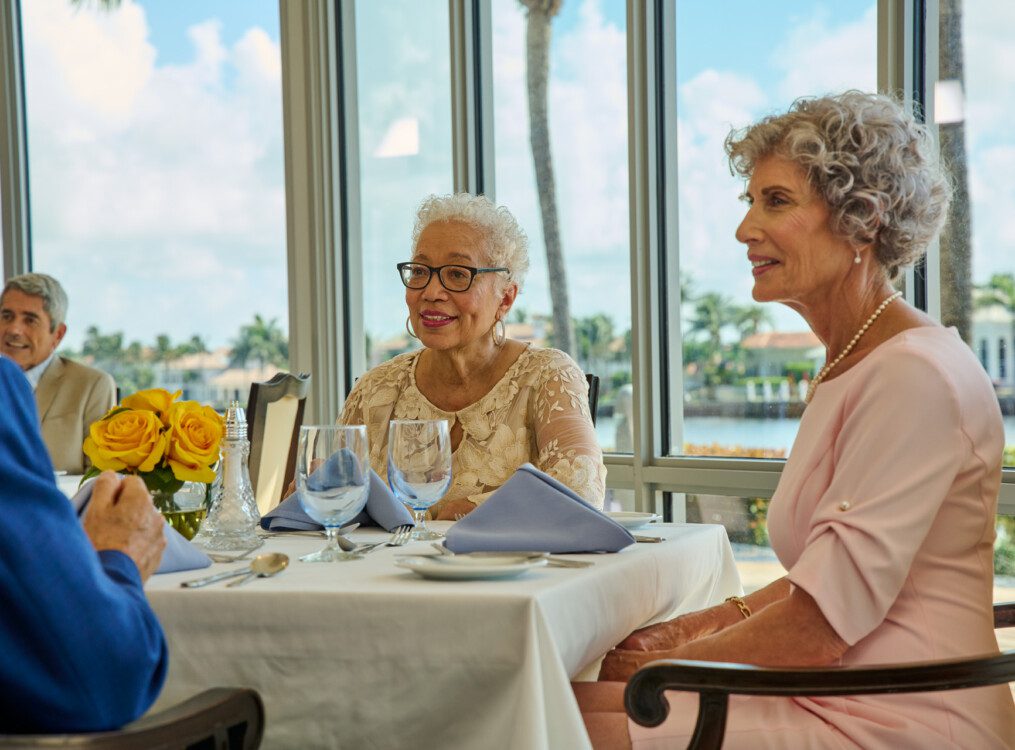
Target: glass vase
<point>185,517</point>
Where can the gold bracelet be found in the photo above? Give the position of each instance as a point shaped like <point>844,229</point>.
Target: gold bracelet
<point>741,605</point>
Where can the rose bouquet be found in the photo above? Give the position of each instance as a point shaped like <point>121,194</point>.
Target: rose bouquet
<point>152,435</point>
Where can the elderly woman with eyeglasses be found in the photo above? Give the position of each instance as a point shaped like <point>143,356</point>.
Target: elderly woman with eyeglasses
<point>507,402</point>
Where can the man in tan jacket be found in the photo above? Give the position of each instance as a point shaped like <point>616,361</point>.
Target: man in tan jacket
<point>69,396</point>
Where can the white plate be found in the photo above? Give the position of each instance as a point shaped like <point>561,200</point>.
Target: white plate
<point>631,520</point>
<point>466,568</point>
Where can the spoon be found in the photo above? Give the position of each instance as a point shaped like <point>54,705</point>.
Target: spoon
<point>262,565</point>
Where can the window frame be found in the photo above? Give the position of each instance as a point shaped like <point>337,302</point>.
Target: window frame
<point>323,225</point>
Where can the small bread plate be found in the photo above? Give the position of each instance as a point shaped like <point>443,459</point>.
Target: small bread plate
<point>631,520</point>
<point>468,568</point>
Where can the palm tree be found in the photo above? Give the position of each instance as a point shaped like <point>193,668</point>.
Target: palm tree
<point>537,61</point>
<point>261,341</point>
<point>1000,290</point>
<point>956,266</point>
<point>712,313</point>
<point>594,335</point>
<point>102,347</point>
<point>750,319</point>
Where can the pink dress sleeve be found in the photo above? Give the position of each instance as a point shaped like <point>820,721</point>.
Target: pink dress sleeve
<point>898,451</point>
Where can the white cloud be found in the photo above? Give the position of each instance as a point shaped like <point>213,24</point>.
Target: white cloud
<point>157,190</point>
<point>588,127</point>
<point>816,58</point>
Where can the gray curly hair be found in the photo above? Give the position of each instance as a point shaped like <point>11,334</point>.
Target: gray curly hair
<point>506,243</point>
<point>871,161</point>
<point>54,298</point>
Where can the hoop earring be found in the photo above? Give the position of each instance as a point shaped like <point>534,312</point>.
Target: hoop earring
<point>499,335</point>
<point>856,259</point>
<point>408,329</point>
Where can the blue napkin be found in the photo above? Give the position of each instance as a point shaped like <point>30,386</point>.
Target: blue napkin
<point>533,511</point>
<point>382,509</point>
<point>179,554</point>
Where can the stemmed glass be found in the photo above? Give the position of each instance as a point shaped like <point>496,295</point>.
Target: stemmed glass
<point>332,480</point>
<point>419,466</point>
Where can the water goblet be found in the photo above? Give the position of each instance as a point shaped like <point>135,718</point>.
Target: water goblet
<point>332,480</point>
<point>419,466</point>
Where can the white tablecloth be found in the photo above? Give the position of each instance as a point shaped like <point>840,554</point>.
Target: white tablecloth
<point>366,655</point>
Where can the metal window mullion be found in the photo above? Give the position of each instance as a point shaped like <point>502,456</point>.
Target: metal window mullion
<point>647,176</point>
<point>471,55</point>
<point>15,217</point>
<point>321,206</point>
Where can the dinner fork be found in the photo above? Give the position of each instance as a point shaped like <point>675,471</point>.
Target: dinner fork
<point>400,535</point>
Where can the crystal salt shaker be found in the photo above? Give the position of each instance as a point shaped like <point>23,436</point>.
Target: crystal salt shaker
<point>233,518</point>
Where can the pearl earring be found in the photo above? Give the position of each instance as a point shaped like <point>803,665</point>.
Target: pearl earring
<point>856,259</point>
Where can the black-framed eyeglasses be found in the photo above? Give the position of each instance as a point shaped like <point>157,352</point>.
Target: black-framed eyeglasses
<point>454,278</point>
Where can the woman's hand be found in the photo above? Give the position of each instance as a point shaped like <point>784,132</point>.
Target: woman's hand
<point>680,630</point>
<point>620,664</point>
<point>453,510</point>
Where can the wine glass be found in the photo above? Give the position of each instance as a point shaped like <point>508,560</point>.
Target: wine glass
<point>419,466</point>
<point>332,480</point>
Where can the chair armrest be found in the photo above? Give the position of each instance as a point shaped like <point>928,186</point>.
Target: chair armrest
<point>1004,615</point>
<point>646,704</point>
<point>716,681</point>
<point>231,717</point>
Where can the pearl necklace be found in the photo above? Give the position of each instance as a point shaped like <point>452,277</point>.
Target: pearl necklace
<point>849,347</point>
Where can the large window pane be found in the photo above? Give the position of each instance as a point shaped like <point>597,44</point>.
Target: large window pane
<point>587,147</point>
<point>404,90</point>
<point>742,365</point>
<point>980,146</point>
<point>157,186</point>
<point>746,522</point>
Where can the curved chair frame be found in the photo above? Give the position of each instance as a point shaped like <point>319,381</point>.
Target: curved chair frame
<point>281,385</point>
<point>715,682</point>
<point>593,381</point>
<point>223,718</point>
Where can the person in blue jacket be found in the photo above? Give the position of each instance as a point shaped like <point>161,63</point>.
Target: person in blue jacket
<point>80,647</point>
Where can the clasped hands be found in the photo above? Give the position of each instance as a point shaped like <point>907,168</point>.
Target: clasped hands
<point>121,517</point>
<point>653,642</point>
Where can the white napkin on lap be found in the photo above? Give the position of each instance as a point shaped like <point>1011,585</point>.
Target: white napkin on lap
<point>533,511</point>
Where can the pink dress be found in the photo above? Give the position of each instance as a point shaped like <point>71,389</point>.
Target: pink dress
<point>885,515</point>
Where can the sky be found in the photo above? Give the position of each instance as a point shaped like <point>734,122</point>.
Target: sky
<point>157,173</point>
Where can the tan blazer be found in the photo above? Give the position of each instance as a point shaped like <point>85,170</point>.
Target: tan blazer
<point>70,397</point>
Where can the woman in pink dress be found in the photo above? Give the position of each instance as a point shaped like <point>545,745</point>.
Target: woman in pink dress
<point>884,515</point>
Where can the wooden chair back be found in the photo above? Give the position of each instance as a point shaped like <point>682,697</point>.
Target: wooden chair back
<point>593,381</point>
<point>274,417</point>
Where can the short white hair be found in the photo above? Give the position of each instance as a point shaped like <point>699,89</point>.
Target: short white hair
<point>506,242</point>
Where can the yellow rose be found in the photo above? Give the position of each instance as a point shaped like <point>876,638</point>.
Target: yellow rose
<point>126,439</point>
<point>195,432</point>
<point>157,400</point>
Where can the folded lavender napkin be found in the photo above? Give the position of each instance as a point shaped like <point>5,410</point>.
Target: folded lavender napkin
<point>179,553</point>
<point>382,509</point>
<point>533,511</point>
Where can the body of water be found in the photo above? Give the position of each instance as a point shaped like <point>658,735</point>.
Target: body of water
<point>747,433</point>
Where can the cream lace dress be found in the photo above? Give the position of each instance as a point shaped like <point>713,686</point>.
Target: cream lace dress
<point>538,412</point>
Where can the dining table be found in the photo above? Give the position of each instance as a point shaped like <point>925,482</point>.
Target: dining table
<point>367,654</point>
